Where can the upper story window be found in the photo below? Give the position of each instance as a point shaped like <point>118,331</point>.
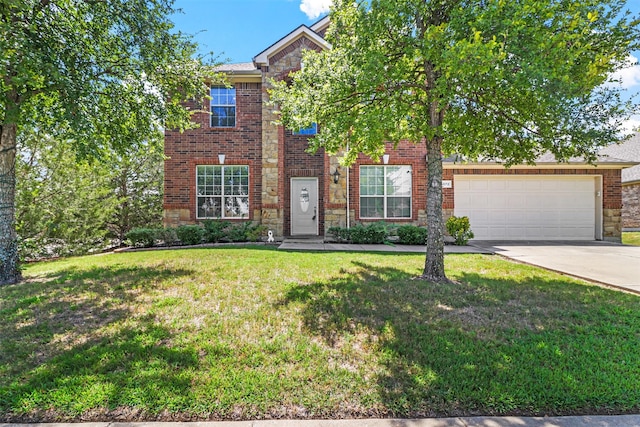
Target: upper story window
<point>385,192</point>
<point>223,107</point>
<point>222,191</point>
<point>311,130</point>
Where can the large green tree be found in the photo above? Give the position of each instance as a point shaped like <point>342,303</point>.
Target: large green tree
<point>100,73</point>
<point>70,206</point>
<point>62,204</point>
<point>501,79</point>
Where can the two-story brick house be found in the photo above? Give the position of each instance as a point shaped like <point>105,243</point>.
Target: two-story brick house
<point>239,165</point>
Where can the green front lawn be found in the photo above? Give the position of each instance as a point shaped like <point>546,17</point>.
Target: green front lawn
<point>257,333</point>
<point>631,238</point>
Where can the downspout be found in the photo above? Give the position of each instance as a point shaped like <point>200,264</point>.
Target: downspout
<point>348,192</point>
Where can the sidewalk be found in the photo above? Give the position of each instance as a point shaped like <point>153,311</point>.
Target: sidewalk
<point>590,420</point>
<point>292,244</point>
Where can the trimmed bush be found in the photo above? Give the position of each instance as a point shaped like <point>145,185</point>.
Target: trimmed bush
<point>142,237</point>
<point>190,234</point>
<point>340,234</point>
<point>412,235</point>
<point>245,232</point>
<point>374,233</point>
<point>168,235</point>
<point>460,229</point>
<point>215,230</point>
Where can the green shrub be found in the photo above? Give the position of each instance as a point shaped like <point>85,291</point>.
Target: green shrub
<point>254,232</point>
<point>215,230</point>
<point>412,235</point>
<point>460,229</point>
<point>168,235</point>
<point>373,233</point>
<point>340,234</point>
<point>190,234</point>
<point>142,237</point>
<point>245,232</point>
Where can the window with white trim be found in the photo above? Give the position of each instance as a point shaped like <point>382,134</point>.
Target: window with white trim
<point>222,191</point>
<point>223,107</point>
<point>385,192</point>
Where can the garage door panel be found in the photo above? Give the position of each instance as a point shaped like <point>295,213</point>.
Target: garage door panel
<point>527,207</point>
<point>477,185</point>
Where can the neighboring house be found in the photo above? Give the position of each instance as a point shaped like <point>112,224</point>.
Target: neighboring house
<point>239,165</point>
<point>629,150</point>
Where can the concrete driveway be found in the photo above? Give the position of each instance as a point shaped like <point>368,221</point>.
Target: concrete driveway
<point>608,263</point>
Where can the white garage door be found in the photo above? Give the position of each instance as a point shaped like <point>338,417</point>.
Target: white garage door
<point>529,207</point>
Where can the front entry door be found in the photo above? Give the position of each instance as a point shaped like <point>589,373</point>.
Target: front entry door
<point>304,206</point>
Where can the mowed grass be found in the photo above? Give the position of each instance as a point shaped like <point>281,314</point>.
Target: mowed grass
<point>631,238</point>
<point>256,333</point>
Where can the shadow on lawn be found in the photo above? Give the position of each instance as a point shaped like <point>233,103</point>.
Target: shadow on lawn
<point>482,346</point>
<point>63,330</point>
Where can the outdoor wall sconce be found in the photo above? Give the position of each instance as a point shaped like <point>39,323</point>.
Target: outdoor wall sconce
<point>385,159</point>
<point>221,158</point>
<point>336,176</point>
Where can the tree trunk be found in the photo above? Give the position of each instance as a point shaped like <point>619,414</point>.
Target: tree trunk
<point>434,263</point>
<point>9,268</point>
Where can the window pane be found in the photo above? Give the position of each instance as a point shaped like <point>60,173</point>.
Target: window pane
<point>236,207</point>
<point>398,207</point>
<point>372,180</point>
<point>223,96</point>
<point>398,181</point>
<point>223,116</point>
<point>371,207</point>
<point>209,207</point>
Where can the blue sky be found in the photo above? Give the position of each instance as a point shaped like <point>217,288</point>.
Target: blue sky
<point>238,30</point>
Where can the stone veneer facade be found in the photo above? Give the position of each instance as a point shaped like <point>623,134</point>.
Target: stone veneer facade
<point>631,206</point>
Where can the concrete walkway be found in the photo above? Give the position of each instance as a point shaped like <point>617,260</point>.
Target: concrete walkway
<point>292,244</point>
<point>592,421</point>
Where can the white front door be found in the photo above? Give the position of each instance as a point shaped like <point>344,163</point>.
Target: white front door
<point>304,206</point>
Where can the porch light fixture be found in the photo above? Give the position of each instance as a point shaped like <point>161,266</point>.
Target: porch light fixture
<point>336,176</point>
<point>385,159</point>
<point>221,158</point>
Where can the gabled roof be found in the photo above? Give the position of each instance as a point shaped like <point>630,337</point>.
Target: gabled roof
<point>628,150</point>
<point>240,68</point>
<point>321,25</point>
<point>263,57</point>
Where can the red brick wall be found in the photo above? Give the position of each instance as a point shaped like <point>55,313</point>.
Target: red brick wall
<point>241,145</point>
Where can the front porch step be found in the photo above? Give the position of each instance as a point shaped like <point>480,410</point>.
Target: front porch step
<point>306,240</point>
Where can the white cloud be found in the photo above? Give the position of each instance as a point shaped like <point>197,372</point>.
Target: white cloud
<point>631,125</point>
<point>314,8</point>
<point>630,75</point>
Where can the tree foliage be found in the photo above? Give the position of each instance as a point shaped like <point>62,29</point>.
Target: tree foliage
<point>68,206</point>
<point>501,79</point>
<point>62,206</point>
<point>98,73</point>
